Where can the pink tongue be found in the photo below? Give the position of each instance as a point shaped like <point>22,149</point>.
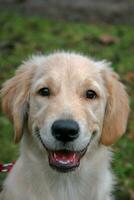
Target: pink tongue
<point>65,157</point>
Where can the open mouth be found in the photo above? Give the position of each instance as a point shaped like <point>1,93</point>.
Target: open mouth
<point>64,160</point>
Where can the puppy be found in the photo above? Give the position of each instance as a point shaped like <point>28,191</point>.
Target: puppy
<point>67,110</point>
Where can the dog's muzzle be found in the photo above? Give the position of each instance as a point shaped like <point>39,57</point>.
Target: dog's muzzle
<point>65,132</point>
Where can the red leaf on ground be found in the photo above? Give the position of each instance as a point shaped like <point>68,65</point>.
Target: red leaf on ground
<point>108,39</point>
<point>130,76</point>
<point>131,194</point>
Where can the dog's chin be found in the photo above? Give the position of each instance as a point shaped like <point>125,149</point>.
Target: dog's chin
<point>65,160</point>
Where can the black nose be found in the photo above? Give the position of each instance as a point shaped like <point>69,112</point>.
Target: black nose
<point>65,130</point>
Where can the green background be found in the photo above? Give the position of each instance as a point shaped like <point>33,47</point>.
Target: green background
<point>22,36</point>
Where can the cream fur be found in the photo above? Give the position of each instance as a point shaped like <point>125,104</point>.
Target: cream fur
<point>69,75</point>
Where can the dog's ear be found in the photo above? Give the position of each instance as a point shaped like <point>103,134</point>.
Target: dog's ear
<point>117,109</point>
<point>15,99</point>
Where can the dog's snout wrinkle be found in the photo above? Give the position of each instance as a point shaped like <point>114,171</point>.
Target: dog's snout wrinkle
<point>65,130</point>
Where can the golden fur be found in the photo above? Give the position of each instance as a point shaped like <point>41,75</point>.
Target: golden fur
<point>68,75</point>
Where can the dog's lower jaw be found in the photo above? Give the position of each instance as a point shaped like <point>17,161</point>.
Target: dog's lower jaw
<point>33,177</point>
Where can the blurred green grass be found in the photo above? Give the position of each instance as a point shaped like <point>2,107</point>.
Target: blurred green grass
<point>22,36</point>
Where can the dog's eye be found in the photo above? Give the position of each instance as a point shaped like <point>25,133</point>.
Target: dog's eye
<point>90,94</point>
<point>44,92</point>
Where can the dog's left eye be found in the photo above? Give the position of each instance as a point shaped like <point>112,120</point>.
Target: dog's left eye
<point>44,91</point>
<point>90,94</point>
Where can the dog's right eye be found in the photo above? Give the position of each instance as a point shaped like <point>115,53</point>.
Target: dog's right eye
<point>44,92</point>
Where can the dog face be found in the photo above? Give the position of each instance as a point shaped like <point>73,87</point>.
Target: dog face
<point>67,102</point>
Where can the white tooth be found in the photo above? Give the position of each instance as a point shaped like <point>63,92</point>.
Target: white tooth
<point>55,156</point>
<point>74,157</point>
<point>64,162</point>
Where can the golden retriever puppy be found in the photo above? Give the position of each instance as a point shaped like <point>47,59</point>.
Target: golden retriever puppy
<point>67,110</point>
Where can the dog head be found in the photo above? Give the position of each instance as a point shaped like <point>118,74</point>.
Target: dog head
<point>66,102</point>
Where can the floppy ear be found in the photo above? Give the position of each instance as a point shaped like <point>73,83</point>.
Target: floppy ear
<point>117,109</point>
<point>15,98</point>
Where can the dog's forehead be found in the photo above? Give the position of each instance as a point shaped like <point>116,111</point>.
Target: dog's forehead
<point>63,65</point>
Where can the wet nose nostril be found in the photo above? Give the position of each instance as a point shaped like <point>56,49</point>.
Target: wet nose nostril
<point>65,130</point>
